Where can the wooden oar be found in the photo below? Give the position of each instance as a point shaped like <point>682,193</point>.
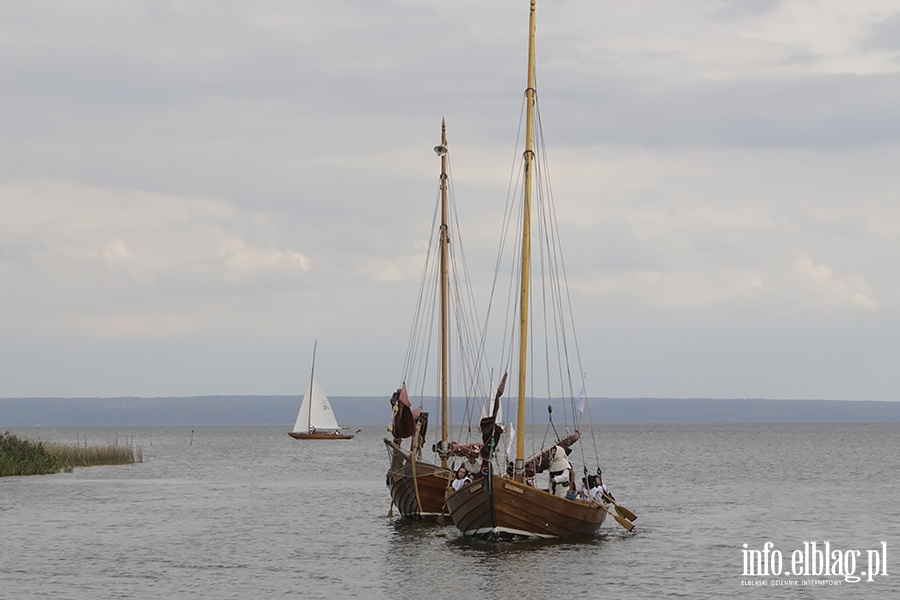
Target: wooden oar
<point>625,512</point>
<point>621,509</point>
<point>623,522</point>
<point>391,510</point>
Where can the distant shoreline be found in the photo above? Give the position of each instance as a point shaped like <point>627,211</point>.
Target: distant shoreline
<point>371,410</point>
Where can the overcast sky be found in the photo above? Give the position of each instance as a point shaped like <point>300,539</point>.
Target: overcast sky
<point>191,192</point>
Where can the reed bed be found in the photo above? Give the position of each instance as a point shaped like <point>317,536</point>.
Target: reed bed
<point>26,457</point>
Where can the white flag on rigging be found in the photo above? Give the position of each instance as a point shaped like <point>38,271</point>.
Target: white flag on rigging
<point>582,399</point>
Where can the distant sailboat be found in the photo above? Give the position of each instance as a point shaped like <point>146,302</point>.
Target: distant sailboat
<point>315,420</point>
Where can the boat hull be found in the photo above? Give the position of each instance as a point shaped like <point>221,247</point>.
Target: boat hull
<point>320,435</point>
<point>500,508</point>
<point>417,487</point>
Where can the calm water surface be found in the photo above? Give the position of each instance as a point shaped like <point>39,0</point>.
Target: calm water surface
<point>247,512</point>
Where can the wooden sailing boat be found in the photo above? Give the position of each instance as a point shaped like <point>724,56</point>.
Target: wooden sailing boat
<point>315,419</point>
<point>509,505</point>
<point>417,486</point>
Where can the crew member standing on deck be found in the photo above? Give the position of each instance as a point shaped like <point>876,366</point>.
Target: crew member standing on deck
<point>560,472</point>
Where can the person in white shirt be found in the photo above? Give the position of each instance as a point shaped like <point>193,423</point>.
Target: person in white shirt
<point>599,492</point>
<point>560,473</point>
<point>472,466</point>
<point>462,478</point>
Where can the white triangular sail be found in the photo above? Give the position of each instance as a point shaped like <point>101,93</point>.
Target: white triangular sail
<point>315,413</point>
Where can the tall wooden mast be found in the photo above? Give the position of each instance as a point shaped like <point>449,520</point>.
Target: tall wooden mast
<point>445,316</point>
<point>526,249</point>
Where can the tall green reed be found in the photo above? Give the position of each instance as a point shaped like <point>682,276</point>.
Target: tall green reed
<point>26,457</point>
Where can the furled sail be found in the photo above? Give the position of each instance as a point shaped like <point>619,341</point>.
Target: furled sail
<point>540,461</point>
<point>471,451</point>
<point>490,429</point>
<point>403,418</point>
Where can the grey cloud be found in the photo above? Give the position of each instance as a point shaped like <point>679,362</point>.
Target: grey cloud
<point>308,127</point>
<point>823,111</point>
<point>885,35</point>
